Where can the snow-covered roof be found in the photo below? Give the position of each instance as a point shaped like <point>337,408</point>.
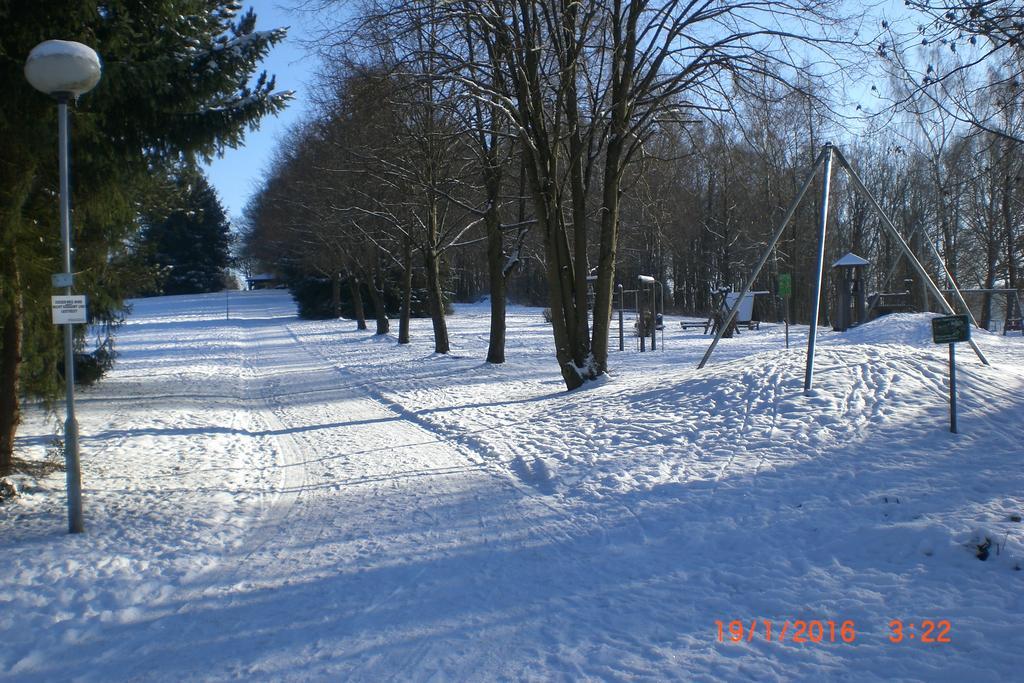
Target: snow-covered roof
<point>850,260</point>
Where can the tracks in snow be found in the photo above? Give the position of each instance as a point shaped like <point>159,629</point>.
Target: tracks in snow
<point>372,514</point>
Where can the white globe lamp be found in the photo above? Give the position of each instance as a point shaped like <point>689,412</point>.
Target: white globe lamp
<point>63,68</point>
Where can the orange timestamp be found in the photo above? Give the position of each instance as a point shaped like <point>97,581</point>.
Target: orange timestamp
<point>829,631</point>
<point>924,631</point>
<point>798,631</point>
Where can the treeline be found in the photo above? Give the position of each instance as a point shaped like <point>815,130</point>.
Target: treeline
<point>547,152</point>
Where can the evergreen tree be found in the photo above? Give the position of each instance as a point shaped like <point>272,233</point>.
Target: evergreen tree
<point>178,83</point>
<point>190,246</point>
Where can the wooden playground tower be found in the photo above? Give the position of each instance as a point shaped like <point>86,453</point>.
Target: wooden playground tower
<point>824,160</point>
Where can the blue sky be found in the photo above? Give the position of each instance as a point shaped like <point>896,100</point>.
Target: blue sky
<point>237,174</point>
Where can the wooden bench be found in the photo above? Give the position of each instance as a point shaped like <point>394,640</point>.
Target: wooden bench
<point>750,325</point>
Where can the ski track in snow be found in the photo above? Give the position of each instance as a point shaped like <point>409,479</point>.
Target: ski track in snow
<point>274,499</point>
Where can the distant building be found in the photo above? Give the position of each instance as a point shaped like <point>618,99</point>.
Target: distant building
<point>263,281</point>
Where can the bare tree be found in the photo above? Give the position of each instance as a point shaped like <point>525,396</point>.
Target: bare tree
<point>586,83</point>
<point>948,55</point>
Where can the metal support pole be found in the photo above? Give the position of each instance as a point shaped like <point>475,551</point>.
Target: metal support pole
<point>622,335</point>
<point>661,296</point>
<point>639,328</point>
<point>952,281</point>
<point>952,388</point>
<point>641,331</point>
<point>907,251</point>
<point>812,334</point>
<point>764,258</point>
<point>654,320</point>
<point>74,474</point>
<point>949,276</point>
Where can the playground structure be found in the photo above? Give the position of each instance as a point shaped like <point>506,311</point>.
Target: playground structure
<point>891,302</point>
<point>725,299</point>
<point>1011,310</point>
<point>648,320</point>
<point>853,309</point>
<point>648,312</point>
<point>824,160</point>
<point>882,303</point>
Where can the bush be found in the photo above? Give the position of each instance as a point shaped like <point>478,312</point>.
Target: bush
<point>8,490</point>
<point>420,303</point>
<point>313,297</point>
<point>90,367</point>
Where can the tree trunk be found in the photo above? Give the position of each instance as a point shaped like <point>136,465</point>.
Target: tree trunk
<point>495,270</point>
<point>11,337</point>
<point>496,341</point>
<point>542,170</point>
<point>579,320</point>
<point>990,283</point>
<point>540,136</point>
<point>17,176</point>
<point>357,302</point>
<point>624,38</point>
<point>336,294</point>
<point>406,313</point>
<point>1006,210</point>
<point>560,281</point>
<point>604,287</point>
<point>436,300</point>
<point>380,313</point>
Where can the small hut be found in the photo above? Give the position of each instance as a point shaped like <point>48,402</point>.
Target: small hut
<point>852,298</point>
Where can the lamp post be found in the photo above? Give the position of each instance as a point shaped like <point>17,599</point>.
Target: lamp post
<point>65,70</point>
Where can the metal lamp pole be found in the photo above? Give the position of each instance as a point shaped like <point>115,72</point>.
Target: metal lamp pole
<point>76,524</point>
<point>64,70</point>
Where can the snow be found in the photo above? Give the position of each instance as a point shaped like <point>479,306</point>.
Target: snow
<point>851,260</point>
<point>240,44</point>
<point>275,499</point>
<point>64,49</point>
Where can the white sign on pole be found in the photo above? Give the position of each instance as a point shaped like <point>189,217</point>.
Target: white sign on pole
<point>68,309</point>
<point>746,311</point>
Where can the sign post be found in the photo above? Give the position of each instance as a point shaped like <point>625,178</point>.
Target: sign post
<point>951,329</point>
<point>68,310</point>
<point>952,388</point>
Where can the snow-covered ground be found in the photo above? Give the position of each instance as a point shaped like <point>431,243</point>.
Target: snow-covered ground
<point>268,499</point>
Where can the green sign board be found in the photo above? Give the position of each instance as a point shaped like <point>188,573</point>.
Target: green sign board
<point>785,284</point>
<point>951,328</point>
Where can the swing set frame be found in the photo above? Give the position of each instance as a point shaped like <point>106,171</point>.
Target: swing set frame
<point>824,160</point>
